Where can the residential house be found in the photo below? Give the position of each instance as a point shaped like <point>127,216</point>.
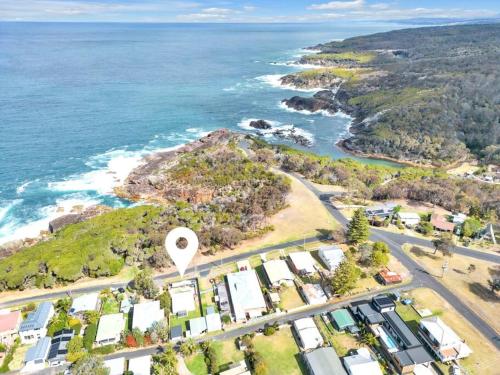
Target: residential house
<point>442,340</point>
<point>458,218</point>
<point>388,277</point>
<point>302,263</point>
<point>222,298</point>
<point>409,351</point>
<point>277,273</point>
<point>362,363</point>
<point>245,294</point>
<point>366,313</point>
<point>9,325</point>
<point>183,296</point>
<point>441,223</point>
<point>343,320</point>
<point>109,329</point>
<point>323,361</point>
<point>116,366</point>
<point>140,365</point>
<point>409,219</point>
<point>213,321</point>
<point>313,294</point>
<point>383,303</point>
<point>58,347</point>
<point>382,211</point>
<point>331,256</point>
<point>197,326</point>
<point>146,314</point>
<point>35,357</point>
<point>239,368</point>
<point>85,302</point>
<point>307,333</point>
<point>176,333</point>
<point>34,327</point>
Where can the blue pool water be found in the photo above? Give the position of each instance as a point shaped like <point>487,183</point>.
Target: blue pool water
<point>81,103</point>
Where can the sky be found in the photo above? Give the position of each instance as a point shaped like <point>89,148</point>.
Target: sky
<point>243,10</point>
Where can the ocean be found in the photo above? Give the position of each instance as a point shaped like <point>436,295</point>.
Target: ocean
<point>81,103</point>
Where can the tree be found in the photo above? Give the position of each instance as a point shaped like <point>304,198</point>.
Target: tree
<point>365,253</point>
<point>160,330</point>
<point>426,228</point>
<point>471,268</point>
<point>345,277</point>
<point>145,285</point>
<point>75,349</point>
<point>494,285</point>
<point>269,331</point>
<point>471,227</point>
<point>89,364</point>
<point>444,244</point>
<point>381,246</point>
<point>91,316</point>
<point>358,229</point>
<point>379,258</point>
<point>165,301</point>
<point>166,362</point>
<point>368,338</point>
<point>188,347</point>
<point>64,304</point>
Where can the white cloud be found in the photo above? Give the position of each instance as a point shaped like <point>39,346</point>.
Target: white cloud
<point>335,5</point>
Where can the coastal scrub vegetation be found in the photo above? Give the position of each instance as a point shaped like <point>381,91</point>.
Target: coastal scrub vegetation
<point>338,58</point>
<point>380,182</point>
<point>431,97</point>
<point>218,192</point>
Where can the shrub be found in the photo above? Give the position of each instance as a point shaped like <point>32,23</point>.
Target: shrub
<point>89,336</point>
<point>269,331</point>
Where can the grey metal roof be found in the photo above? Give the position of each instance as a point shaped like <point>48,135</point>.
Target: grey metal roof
<point>324,361</point>
<point>401,329</point>
<point>37,318</point>
<point>367,312</point>
<point>38,351</point>
<point>413,356</point>
<point>383,301</point>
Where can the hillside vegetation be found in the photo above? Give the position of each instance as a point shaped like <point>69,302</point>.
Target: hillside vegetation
<point>243,193</point>
<point>435,99</point>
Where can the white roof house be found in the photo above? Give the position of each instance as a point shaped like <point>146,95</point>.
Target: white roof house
<point>278,273</point>
<point>197,326</point>
<point>109,329</point>
<point>183,300</point>
<point>116,366</point>
<point>409,218</point>
<point>308,333</point>
<point>145,314</point>
<point>314,294</point>
<point>245,294</point>
<point>85,302</point>
<point>302,262</point>
<point>140,365</point>
<point>214,322</point>
<point>331,256</point>
<point>362,363</point>
<point>443,340</point>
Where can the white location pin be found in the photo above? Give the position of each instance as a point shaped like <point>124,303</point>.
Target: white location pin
<point>181,257</point>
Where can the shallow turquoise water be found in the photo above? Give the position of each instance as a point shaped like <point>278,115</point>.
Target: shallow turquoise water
<point>81,103</point>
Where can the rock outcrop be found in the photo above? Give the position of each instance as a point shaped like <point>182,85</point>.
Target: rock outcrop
<point>321,101</point>
<point>260,124</point>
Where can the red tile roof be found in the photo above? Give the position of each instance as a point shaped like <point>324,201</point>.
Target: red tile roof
<point>390,277</point>
<point>440,222</point>
<point>9,321</point>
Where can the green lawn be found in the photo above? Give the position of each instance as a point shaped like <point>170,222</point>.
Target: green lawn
<point>280,352</point>
<point>110,306</point>
<point>227,353</point>
<point>196,364</point>
<point>174,320</point>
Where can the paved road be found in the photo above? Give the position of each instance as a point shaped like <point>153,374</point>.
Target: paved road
<point>421,277</point>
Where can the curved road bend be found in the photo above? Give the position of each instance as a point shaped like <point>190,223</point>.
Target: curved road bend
<point>421,277</point>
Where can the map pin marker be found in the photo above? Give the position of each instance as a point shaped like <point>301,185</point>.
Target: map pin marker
<point>181,257</point>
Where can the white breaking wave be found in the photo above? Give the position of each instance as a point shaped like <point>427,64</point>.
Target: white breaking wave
<point>7,206</point>
<point>21,189</point>
<point>274,80</point>
<point>15,230</point>
<point>322,112</point>
<point>275,125</point>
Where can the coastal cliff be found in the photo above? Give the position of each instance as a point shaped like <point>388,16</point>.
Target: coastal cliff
<point>423,96</point>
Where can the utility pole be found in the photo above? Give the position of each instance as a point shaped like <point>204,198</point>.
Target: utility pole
<point>445,268</point>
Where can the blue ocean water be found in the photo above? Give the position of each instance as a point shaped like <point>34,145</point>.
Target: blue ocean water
<point>80,104</point>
